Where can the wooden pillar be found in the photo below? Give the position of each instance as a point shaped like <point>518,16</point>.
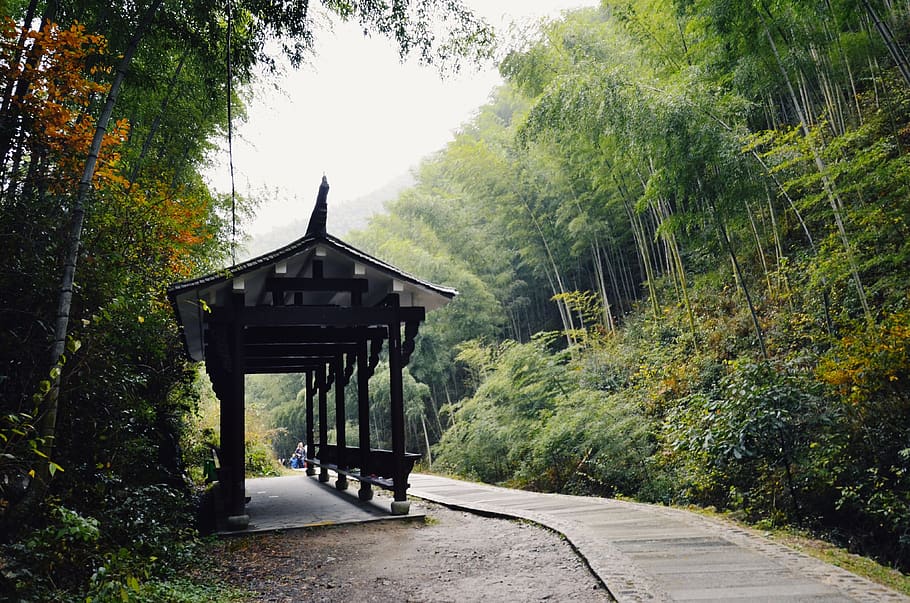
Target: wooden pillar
<point>310,377</point>
<point>323,411</point>
<point>233,432</point>
<point>400,506</point>
<point>341,481</point>
<point>363,416</point>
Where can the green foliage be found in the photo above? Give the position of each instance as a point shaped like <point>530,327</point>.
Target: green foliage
<point>494,428</point>
<point>200,436</point>
<point>140,541</point>
<point>117,579</point>
<point>261,460</point>
<point>19,445</point>
<point>62,548</point>
<point>869,466</point>
<point>275,420</point>
<point>289,422</point>
<point>748,443</point>
<point>184,590</point>
<point>594,443</point>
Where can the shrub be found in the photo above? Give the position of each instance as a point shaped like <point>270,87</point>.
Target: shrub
<point>748,443</point>
<point>53,559</point>
<point>868,371</point>
<point>260,459</point>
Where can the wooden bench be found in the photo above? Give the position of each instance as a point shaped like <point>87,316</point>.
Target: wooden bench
<point>379,469</point>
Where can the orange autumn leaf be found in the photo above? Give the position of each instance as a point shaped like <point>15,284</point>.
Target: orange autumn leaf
<point>59,66</point>
<point>65,71</point>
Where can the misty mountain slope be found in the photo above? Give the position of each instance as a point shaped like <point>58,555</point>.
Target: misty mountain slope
<point>344,216</point>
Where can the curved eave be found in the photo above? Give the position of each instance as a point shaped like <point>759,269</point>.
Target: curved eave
<point>190,297</point>
<point>301,246</point>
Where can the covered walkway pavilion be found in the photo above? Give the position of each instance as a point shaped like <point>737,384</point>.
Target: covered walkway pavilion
<point>323,309</point>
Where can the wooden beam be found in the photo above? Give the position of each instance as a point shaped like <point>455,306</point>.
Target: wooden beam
<point>396,404</point>
<point>329,316</point>
<point>323,411</point>
<point>285,284</point>
<point>233,427</point>
<point>363,415</point>
<point>289,369</point>
<point>282,365</point>
<point>310,378</point>
<point>264,350</point>
<point>311,334</point>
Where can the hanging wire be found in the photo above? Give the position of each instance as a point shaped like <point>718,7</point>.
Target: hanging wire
<point>230,127</point>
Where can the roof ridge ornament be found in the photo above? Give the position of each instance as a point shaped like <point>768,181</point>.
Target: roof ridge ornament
<point>320,213</point>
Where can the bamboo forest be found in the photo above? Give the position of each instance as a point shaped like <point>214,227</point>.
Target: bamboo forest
<point>679,231</point>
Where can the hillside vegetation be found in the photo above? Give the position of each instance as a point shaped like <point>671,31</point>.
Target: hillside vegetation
<point>680,236</point>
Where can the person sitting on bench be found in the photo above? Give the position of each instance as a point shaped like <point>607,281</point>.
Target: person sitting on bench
<point>298,459</point>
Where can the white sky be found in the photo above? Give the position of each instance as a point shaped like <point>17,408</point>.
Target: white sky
<point>357,115</point>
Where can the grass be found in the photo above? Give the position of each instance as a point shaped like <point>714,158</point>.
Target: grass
<point>184,590</point>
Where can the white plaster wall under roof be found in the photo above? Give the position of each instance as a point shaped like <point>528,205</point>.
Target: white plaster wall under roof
<point>339,259</point>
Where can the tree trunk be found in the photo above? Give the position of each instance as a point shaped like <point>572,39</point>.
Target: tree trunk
<point>759,249</point>
<point>602,286</point>
<point>558,287</point>
<point>14,84</point>
<point>678,268</point>
<point>722,231</point>
<point>449,404</point>
<point>436,411</point>
<point>639,236</point>
<point>153,130</point>
<point>612,270</point>
<point>18,88</point>
<point>48,425</point>
<point>894,49</point>
<point>827,185</point>
<point>426,438</point>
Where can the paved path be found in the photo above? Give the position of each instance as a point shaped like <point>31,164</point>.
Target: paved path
<point>653,553</point>
<point>299,501</point>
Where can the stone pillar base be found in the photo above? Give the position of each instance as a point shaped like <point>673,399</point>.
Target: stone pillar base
<point>323,476</point>
<point>365,493</point>
<point>341,482</point>
<point>238,522</point>
<point>401,507</point>
<point>310,470</point>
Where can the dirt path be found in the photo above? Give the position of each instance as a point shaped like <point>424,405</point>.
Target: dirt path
<point>453,556</point>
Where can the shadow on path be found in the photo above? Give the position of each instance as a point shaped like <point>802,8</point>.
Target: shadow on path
<point>300,501</point>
